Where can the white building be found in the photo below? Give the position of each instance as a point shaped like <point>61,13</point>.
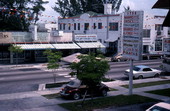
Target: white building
<point>107,27</point>
<point>153,34</point>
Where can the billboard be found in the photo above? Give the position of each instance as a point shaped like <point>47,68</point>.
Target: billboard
<point>132,34</point>
<point>92,37</point>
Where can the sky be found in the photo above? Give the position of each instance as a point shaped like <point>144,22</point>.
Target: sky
<point>49,15</point>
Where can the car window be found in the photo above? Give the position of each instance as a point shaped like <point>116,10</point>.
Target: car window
<point>71,83</point>
<point>147,69</point>
<point>157,108</point>
<point>136,68</point>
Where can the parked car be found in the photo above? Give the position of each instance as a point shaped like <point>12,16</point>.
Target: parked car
<point>75,89</point>
<point>119,57</point>
<point>161,106</point>
<point>142,71</point>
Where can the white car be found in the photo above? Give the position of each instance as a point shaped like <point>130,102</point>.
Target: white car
<point>142,71</point>
<point>162,106</point>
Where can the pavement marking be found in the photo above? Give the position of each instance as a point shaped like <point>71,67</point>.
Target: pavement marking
<point>67,76</point>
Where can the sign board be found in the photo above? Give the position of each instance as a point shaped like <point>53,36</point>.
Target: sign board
<point>166,45</point>
<point>132,34</point>
<point>85,37</point>
<point>5,37</point>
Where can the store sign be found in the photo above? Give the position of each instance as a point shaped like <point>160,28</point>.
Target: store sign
<point>5,37</point>
<point>132,34</point>
<point>85,37</point>
<point>166,45</point>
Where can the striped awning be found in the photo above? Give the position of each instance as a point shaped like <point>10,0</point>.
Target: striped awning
<point>35,46</point>
<point>90,45</point>
<point>71,45</point>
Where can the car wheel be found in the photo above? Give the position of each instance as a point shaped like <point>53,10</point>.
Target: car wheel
<point>118,60</point>
<point>156,75</point>
<point>104,93</point>
<point>140,77</point>
<point>76,96</point>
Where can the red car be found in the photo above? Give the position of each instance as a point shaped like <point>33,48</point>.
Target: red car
<point>75,89</point>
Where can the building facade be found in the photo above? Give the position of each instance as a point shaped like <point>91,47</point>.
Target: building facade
<point>107,27</point>
<point>154,34</point>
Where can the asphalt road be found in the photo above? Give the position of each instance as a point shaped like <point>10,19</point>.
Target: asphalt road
<point>27,79</point>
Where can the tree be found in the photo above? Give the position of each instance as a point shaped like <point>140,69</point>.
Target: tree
<point>53,61</point>
<point>68,8</point>
<point>37,8</point>
<point>17,15</point>
<point>90,70</point>
<point>17,50</point>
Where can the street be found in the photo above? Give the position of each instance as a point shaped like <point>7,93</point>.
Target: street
<point>23,79</point>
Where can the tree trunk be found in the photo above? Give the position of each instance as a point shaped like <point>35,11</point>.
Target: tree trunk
<point>84,97</point>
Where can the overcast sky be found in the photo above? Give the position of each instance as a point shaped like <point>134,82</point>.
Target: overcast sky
<point>51,16</point>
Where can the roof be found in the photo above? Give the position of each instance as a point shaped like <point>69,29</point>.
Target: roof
<point>167,20</point>
<point>163,4</point>
<point>142,66</point>
<point>91,13</point>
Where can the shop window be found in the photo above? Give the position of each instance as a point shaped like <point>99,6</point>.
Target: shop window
<point>86,26</point>
<point>158,45</point>
<point>99,25</point>
<point>146,33</point>
<point>113,26</point>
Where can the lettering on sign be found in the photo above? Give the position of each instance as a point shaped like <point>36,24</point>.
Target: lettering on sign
<point>132,32</point>
<point>2,36</point>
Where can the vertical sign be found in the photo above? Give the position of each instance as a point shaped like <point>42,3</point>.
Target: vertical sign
<point>166,45</point>
<point>132,34</point>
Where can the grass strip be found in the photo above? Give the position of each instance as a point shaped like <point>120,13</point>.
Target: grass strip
<point>51,96</point>
<point>147,84</point>
<point>114,101</point>
<point>55,85</point>
<point>162,92</point>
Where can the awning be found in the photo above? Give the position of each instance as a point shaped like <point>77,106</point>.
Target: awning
<point>112,39</point>
<point>90,45</point>
<point>66,46</point>
<point>72,58</point>
<point>167,20</point>
<point>35,46</point>
<point>163,4</point>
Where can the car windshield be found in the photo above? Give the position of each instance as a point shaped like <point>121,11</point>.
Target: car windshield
<point>74,83</point>
<point>136,68</point>
<point>157,108</point>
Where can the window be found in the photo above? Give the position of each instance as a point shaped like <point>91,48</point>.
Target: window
<point>147,69</point>
<point>158,27</point>
<point>113,26</point>
<point>94,26</point>
<point>69,26</point>
<point>78,26</point>
<point>60,26</point>
<point>158,45</point>
<point>74,26</point>
<point>64,26</point>
<point>86,26</point>
<point>99,25</point>
<point>146,33</point>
